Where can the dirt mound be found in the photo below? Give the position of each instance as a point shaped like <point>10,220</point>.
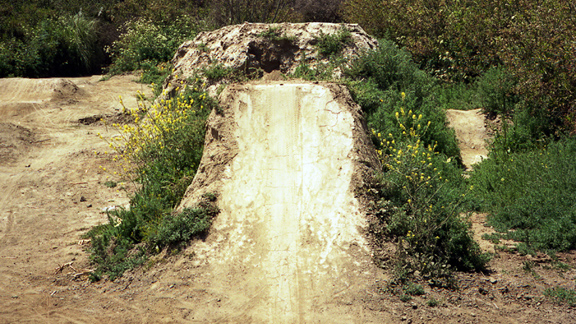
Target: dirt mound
<point>65,90</point>
<point>15,141</point>
<point>471,133</point>
<point>254,46</point>
<point>283,160</point>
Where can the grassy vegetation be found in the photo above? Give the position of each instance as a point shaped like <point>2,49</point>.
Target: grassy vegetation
<point>332,44</point>
<point>530,195</point>
<point>562,295</point>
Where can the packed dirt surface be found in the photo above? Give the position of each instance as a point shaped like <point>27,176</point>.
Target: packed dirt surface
<point>294,252</point>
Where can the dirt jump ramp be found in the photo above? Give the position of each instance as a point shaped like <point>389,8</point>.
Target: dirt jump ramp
<point>289,245</point>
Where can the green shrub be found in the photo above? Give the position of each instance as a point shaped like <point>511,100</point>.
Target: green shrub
<point>65,46</point>
<point>423,196</point>
<point>146,43</point>
<point>530,195</point>
<point>459,96</point>
<point>496,90</point>
<point>181,228</point>
<point>378,79</point>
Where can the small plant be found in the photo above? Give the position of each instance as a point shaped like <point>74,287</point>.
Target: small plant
<point>432,302</point>
<point>405,298</point>
<point>331,44</point>
<point>110,184</point>
<point>561,295</point>
<point>274,34</point>
<point>413,289</point>
<point>217,72</point>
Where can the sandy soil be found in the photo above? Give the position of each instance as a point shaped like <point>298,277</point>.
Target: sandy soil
<point>295,252</point>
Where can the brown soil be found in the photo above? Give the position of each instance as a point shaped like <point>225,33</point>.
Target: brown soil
<point>53,191</point>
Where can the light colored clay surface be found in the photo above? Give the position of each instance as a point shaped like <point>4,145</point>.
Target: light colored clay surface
<point>288,217</point>
<point>471,134</point>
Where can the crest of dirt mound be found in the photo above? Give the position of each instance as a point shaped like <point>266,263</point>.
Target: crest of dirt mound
<point>261,47</point>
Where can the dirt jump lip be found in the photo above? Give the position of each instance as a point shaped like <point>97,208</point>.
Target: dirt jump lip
<point>289,222</point>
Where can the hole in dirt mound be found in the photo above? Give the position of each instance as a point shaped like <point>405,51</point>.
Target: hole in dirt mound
<point>15,140</point>
<point>120,118</point>
<point>269,56</point>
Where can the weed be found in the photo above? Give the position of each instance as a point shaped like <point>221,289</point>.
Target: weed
<point>332,44</point>
<point>405,298</point>
<point>217,72</point>
<point>110,184</point>
<point>432,302</point>
<point>274,34</point>
<point>561,295</point>
<point>413,289</point>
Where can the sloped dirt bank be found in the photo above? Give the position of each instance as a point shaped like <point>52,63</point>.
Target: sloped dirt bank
<point>289,244</point>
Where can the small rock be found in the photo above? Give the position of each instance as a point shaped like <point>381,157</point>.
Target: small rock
<point>482,291</point>
<point>493,281</point>
<point>82,199</point>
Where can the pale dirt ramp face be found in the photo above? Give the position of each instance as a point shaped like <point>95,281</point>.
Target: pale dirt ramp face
<point>289,245</point>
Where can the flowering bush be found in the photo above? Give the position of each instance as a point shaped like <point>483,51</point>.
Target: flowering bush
<point>160,152</point>
<point>423,198</point>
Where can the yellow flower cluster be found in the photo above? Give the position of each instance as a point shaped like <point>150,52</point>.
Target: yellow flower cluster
<point>149,129</point>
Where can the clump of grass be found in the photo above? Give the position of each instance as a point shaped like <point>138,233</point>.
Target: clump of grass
<point>432,302</point>
<point>160,152</point>
<point>111,184</point>
<point>332,44</point>
<point>561,295</point>
<point>274,34</point>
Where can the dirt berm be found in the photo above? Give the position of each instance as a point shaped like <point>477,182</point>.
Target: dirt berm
<point>289,244</point>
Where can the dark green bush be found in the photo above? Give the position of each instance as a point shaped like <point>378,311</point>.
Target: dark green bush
<point>65,46</point>
<point>146,43</point>
<point>496,90</point>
